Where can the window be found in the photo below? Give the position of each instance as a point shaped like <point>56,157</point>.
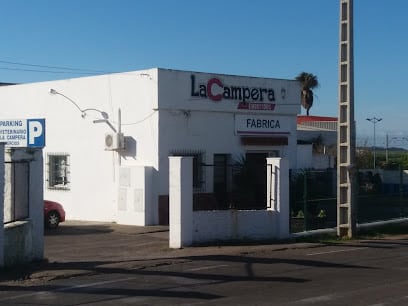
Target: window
<point>58,171</point>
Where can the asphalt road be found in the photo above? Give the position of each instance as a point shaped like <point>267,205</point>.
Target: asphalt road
<point>106,264</point>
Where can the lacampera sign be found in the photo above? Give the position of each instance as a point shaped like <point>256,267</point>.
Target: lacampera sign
<point>248,97</point>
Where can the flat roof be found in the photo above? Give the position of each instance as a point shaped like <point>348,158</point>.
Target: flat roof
<point>302,119</point>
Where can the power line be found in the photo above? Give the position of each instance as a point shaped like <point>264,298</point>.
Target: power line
<point>54,67</point>
<point>45,71</point>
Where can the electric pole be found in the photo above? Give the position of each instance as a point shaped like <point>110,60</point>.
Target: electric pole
<point>346,137</point>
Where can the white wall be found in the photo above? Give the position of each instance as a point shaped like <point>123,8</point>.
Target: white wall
<point>23,241</point>
<point>306,159</point>
<point>94,171</point>
<point>2,204</point>
<point>234,225</point>
<point>136,202</point>
<point>323,161</point>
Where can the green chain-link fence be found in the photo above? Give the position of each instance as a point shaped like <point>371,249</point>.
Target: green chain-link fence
<point>381,195</point>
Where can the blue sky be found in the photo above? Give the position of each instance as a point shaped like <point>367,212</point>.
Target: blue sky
<point>265,38</point>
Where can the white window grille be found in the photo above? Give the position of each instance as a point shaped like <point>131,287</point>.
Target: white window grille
<point>58,171</point>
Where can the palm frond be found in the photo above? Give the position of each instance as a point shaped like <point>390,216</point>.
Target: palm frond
<point>307,80</point>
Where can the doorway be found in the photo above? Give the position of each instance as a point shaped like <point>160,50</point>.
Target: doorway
<point>256,162</point>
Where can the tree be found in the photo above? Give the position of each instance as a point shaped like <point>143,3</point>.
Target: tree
<point>364,159</point>
<point>308,82</point>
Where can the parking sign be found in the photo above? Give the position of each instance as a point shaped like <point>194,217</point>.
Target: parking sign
<point>23,132</point>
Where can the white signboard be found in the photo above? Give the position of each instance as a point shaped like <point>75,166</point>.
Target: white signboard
<point>227,93</point>
<point>262,125</point>
<point>23,132</point>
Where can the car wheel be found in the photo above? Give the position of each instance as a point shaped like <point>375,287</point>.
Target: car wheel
<point>52,220</point>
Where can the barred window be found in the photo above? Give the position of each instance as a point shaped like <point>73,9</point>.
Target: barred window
<point>58,171</point>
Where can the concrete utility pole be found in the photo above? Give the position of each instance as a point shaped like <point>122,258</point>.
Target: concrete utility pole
<point>346,137</point>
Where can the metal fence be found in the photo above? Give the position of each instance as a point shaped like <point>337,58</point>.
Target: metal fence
<point>381,196</point>
<point>313,198</point>
<point>16,191</point>
<point>234,186</point>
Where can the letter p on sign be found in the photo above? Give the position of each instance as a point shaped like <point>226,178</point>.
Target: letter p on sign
<point>36,132</point>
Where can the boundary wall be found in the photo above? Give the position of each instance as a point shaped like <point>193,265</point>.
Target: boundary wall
<point>23,241</point>
<point>188,227</point>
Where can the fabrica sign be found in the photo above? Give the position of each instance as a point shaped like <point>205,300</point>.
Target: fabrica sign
<point>23,132</point>
<point>261,125</point>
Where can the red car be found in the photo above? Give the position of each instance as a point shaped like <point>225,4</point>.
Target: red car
<point>54,213</point>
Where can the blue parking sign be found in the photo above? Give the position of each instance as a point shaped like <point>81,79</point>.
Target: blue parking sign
<point>36,133</point>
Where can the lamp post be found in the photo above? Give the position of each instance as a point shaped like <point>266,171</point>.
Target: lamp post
<point>83,111</point>
<point>105,116</point>
<point>374,121</point>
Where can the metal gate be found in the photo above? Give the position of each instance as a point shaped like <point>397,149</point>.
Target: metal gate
<point>241,185</point>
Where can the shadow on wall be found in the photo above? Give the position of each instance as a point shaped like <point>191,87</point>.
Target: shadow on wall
<point>131,148</point>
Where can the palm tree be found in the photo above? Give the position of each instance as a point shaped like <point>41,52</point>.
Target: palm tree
<point>308,82</point>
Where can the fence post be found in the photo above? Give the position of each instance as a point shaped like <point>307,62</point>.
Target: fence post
<point>1,204</point>
<point>305,200</point>
<point>278,193</point>
<point>401,190</point>
<point>180,201</point>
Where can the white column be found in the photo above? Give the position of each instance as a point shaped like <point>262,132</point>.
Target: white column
<point>278,193</point>
<point>180,201</point>
<point>1,205</point>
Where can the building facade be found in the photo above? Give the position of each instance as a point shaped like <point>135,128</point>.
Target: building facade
<point>109,137</point>
<point>317,142</point>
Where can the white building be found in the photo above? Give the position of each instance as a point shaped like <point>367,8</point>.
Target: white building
<point>317,142</point>
<point>216,118</point>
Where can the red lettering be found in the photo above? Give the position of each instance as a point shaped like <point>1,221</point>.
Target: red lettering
<point>210,83</point>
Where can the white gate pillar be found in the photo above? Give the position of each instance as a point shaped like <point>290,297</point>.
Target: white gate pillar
<point>180,201</point>
<point>278,193</point>
<point>1,204</point>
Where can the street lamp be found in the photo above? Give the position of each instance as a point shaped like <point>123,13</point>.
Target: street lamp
<point>374,121</point>
<point>105,116</point>
<point>83,111</point>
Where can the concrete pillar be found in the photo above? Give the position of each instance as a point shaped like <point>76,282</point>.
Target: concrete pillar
<point>1,205</point>
<point>180,201</point>
<point>278,193</point>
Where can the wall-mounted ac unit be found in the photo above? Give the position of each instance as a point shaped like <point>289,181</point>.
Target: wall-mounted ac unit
<point>114,141</point>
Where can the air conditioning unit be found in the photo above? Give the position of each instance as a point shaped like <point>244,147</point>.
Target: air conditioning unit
<point>114,141</point>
